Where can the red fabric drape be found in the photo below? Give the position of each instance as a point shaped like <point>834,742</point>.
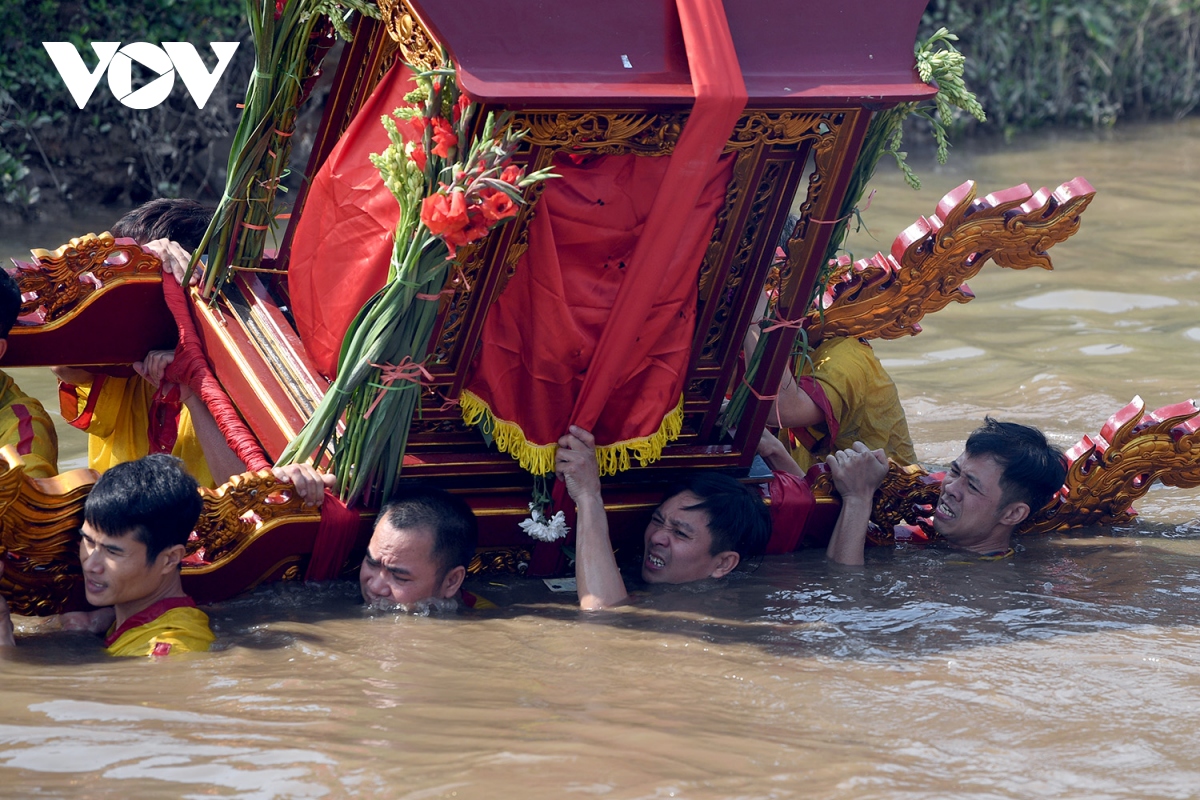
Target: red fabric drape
<point>791,501</point>
<point>544,337</point>
<point>541,367</point>
<point>343,241</point>
<point>335,539</point>
<point>720,97</point>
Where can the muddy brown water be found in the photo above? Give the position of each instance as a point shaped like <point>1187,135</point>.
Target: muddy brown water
<point>1068,671</point>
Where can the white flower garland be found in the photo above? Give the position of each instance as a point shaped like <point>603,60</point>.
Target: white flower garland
<point>543,529</point>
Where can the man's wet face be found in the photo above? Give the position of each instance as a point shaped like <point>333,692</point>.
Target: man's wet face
<point>400,569</point>
<point>971,501</point>
<point>678,543</point>
<point>115,569</point>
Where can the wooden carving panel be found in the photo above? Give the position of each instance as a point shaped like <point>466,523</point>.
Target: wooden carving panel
<point>78,305</point>
<point>1109,473</point>
<point>39,537</point>
<point>62,281</point>
<point>404,26</point>
<point>603,132</point>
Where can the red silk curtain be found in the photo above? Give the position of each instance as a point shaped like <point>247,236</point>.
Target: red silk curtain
<point>573,340</point>
<point>343,241</point>
<point>545,336</point>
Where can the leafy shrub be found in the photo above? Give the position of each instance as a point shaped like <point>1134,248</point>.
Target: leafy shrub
<point>107,152</point>
<point>1085,62</point>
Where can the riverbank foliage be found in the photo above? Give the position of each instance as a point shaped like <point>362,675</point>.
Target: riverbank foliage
<point>53,154</point>
<point>1087,62</point>
<point>1032,63</point>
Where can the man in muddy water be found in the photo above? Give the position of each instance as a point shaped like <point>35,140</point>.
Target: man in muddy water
<point>136,523</point>
<point>704,529</point>
<point>423,541</point>
<point>137,519</point>
<point>1006,472</point>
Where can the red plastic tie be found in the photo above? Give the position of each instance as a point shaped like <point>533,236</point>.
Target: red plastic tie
<point>407,370</point>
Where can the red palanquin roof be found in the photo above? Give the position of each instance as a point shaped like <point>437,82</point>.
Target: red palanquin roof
<point>793,53</point>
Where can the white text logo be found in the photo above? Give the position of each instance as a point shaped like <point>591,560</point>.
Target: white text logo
<point>165,61</point>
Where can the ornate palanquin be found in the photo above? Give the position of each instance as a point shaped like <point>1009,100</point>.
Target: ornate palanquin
<point>253,529</point>
<point>581,83</point>
<point>616,85</point>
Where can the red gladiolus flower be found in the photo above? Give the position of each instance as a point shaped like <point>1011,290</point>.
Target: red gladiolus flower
<point>512,174</point>
<point>477,229</point>
<point>279,4</point>
<point>461,105</point>
<point>473,232</point>
<point>418,157</point>
<point>496,205</point>
<point>444,137</point>
<point>445,216</point>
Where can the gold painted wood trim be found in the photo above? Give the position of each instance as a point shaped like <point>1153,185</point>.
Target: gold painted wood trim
<point>216,319</point>
<point>65,281</point>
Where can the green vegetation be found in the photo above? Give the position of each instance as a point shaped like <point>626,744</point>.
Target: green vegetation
<point>1085,62</point>
<point>107,152</point>
<point>1031,62</point>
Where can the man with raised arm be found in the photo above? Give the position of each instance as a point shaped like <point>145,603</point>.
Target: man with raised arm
<point>703,529</point>
<point>1006,472</point>
<point>129,417</point>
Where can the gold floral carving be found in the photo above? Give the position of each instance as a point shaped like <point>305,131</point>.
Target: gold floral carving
<point>780,127</point>
<point>602,132</point>
<point>63,280</point>
<point>39,540</point>
<point>887,295</point>
<point>404,26</point>
<point>508,561</point>
<point>238,512</point>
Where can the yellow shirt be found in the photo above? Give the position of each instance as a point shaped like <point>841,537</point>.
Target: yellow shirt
<point>173,625</point>
<point>117,420</point>
<point>25,425</point>
<point>863,400</point>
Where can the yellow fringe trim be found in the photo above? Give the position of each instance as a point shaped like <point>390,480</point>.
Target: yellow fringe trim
<point>539,458</point>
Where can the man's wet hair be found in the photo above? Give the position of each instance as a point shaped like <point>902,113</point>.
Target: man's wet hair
<point>737,517</point>
<point>179,219</point>
<point>154,498</point>
<point>455,529</point>
<point>10,302</point>
<point>1033,469</point>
